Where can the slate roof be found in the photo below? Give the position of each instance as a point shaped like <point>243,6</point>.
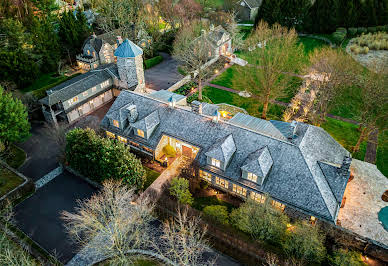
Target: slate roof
<point>79,84</point>
<point>215,35</point>
<point>258,162</point>
<point>295,178</point>
<point>223,149</point>
<point>165,96</point>
<point>128,50</point>
<point>253,3</point>
<point>148,122</point>
<point>95,42</point>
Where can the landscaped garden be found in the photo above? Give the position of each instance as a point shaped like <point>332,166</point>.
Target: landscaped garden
<point>8,180</point>
<point>151,176</point>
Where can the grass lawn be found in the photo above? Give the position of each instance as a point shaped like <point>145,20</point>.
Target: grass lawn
<point>16,157</point>
<point>251,105</point>
<point>348,104</point>
<point>346,134</point>
<point>8,181</point>
<point>201,202</point>
<point>382,153</point>
<point>310,44</point>
<point>151,177</point>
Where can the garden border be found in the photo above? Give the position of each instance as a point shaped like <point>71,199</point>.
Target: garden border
<point>76,173</point>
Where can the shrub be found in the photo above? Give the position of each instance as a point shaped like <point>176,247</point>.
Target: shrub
<point>180,190</point>
<point>101,158</point>
<point>194,97</point>
<point>169,151</point>
<point>352,31</point>
<point>153,61</point>
<point>338,37</point>
<point>218,213</point>
<point>372,29</point>
<point>185,89</point>
<point>380,28</point>
<point>305,242</point>
<point>261,221</point>
<point>343,30</point>
<point>361,30</point>
<point>345,257</point>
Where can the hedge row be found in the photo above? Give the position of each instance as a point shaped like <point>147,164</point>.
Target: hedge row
<point>41,92</point>
<point>153,61</point>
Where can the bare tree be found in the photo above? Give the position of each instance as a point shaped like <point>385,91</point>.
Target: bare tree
<point>228,21</point>
<point>111,222</point>
<point>274,52</point>
<point>374,104</point>
<point>193,51</point>
<point>183,240</point>
<point>331,70</point>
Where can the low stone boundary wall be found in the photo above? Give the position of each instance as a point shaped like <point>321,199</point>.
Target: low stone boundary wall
<point>28,186</point>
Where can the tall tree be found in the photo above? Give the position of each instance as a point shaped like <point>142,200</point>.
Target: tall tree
<point>321,17</point>
<point>14,125</point>
<point>374,104</point>
<point>192,49</point>
<point>274,53</point>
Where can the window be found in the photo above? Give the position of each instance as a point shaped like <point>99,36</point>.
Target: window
<point>116,123</point>
<point>278,205</point>
<point>80,111</point>
<point>73,100</point>
<point>216,163</point>
<point>105,84</point>
<point>140,133</point>
<point>123,140</point>
<point>134,144</point>
<point>252,177</point>
<point>205,176</point>
<point>239,190</point>
<point>147,149</point>
<point>85,93</point>
<point>94,89</point>
<point>110,134</point>
<point>88,52</point>
<point>222,182</point>
<point>313,220</point>
<point>257,197</point>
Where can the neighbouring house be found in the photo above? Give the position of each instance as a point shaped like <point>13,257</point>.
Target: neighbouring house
<point>247,9</point>
<point>83,94</point>
<point>219,41</point>
<point>300,166</point>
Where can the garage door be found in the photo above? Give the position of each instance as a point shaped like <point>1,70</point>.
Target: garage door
<point>186,151</point>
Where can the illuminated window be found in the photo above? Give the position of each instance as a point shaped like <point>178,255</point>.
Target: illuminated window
<point>313,220</point>
<point>216,163</point>
<point>123,140</point>
<point>85,93</point>
<point>73,100</point>
<point>257,197</point>
<point>205,176</point>
<point>105,84</point>
<point>140,133</point>
<point>222,182</point>
<point>278,205</point>
<point>110,134</point>
<point>252,177</point>
<point>147,149</point>
<point>94,89</point>
<point>134,144</point>
<point>239,190</point>
<point>116,123</point>
<point>88,52</point>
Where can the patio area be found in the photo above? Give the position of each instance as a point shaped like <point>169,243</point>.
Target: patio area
<point>363,202</point>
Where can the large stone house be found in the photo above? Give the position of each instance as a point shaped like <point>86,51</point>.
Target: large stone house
<point>83,94</point>
<point>220,42</point>
<point>247,9</point>
<point>300,166</point>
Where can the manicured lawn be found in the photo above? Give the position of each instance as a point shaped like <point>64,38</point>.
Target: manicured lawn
<point>251,105</point>
<point>348,104</point>
<point>201,202</point>
<point>310,44</point>
<point>382,153</point>
<point>16,157</point>
<point>346,134</point>
<point>151,177</point>
<point>226,78</point>
<point>8,181</point>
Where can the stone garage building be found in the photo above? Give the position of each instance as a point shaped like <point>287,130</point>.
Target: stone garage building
<point>248,9</point>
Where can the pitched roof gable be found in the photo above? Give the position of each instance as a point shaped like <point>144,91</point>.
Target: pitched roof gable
<point>223,149</point>
<point>128,50</point>
<point>258,162</point>
<point>147,122</point>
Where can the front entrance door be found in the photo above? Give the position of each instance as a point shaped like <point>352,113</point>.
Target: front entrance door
<point>186,151</point>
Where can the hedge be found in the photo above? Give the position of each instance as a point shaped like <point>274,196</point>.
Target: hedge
<point>153,61</point>
<point>41,92</point>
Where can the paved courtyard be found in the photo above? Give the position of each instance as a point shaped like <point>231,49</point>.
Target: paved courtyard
<point>39,215</point>
<point>363,202</point>
<point>163,75</point>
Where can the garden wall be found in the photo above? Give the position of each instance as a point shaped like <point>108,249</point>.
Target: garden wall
<point>27,187</point>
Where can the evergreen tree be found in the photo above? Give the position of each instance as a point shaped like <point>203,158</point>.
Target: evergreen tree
<point>347,12</point>
<point>322,18</point>
<point>294,13</point>
<point>382,12</point>
<point>270,11</point>
<point>14,125</point>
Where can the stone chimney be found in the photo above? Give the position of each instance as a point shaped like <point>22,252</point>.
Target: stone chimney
<point>344,169</point>
<point>119,40</point>
<point>132,113</point>
<point>294,125</point>
<point>196,107</point>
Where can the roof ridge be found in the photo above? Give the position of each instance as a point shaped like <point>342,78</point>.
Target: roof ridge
<point>71,84</point>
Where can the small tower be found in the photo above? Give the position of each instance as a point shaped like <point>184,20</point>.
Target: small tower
<point>130,65</point>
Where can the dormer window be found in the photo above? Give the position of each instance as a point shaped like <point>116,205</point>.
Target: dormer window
<point>140,133</point>
<point>216,163</point>
<point>73,100</point>
<point>116,123</point>
<point>88,52</point>
<point>252,177</point>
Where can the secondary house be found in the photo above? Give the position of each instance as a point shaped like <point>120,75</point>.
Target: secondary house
<point>300,166</point>
<point>247,9</point>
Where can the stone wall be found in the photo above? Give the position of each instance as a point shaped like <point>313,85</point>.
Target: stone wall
<point>127,72</point>
<point>180,83</point>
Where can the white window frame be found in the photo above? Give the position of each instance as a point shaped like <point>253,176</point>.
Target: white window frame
<point>85,93</point>
<point>222,182</point>
<point>205,176</point>
<point>257,197</point>
<point>252,177</point>
<point>239,190</point>
<point>73,100</point>
<point>216,163</point>
<point>140,133</point>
